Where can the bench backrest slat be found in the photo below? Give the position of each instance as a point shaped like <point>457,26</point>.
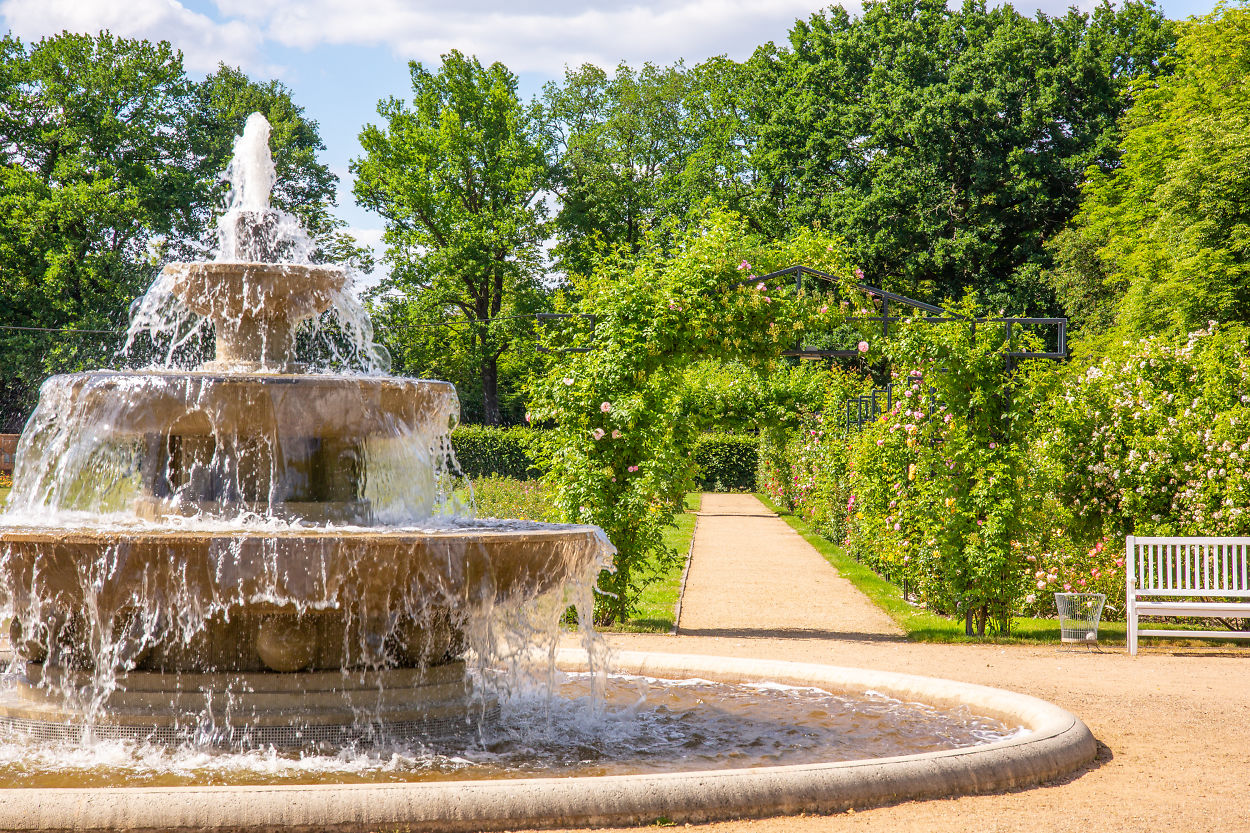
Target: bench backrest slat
<point>1188,566</point>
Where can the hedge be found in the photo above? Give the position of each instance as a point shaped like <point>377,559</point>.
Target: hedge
<point>485,450</point>
<point>727,462</point>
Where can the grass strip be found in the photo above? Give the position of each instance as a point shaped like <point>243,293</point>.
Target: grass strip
<point>657,604</point>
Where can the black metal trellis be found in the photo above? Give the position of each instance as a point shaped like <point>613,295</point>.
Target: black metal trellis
<point>937,315</point>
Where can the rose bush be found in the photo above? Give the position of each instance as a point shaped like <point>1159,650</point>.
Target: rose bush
<point>987,491</point>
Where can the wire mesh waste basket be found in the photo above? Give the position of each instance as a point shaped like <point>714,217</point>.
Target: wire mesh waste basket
<point>1078,616</point>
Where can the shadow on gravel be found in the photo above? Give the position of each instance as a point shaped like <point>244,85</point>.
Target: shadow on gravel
<point>790,633</point>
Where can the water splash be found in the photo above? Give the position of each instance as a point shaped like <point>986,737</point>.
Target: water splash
<point>168,331</point>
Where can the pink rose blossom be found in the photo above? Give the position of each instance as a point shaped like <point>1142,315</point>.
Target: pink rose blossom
<point>863,347</point>
<point>598,434</point>
<point>743,266</point>
<point>633,468</point>
<point>616,433</point>
<point>606,407</point>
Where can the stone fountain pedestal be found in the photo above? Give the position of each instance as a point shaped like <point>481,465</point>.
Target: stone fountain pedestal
<point>314,708</point>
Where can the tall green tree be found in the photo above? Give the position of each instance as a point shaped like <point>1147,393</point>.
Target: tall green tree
<point>621,148</point>
<point>947,145</point>
<point>457,176</point>
<point>1162,243</point>
<point>96,167</point>
<point>648,149</point>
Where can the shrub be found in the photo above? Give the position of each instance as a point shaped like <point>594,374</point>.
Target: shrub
<point>727,462</point>
<point>484,450</point>
<point>776,464</point>
<point>507,497</point>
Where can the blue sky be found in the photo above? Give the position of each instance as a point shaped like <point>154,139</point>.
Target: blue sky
<point>340,57</point>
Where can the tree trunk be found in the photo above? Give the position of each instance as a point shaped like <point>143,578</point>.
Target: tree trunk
<point>490,389</point>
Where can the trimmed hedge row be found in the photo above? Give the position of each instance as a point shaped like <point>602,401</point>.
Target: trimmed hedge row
<point>485,450</point>
<point>727,462</point>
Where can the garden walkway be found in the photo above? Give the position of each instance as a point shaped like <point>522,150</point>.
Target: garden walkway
<point>752,575</point>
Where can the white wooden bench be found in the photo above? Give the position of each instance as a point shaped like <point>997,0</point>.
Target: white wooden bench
<point>1164,576</point>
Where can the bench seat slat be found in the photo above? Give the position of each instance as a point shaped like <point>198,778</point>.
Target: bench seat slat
<point>1210,594</point>
<point>1195,634</point>
<point>1194,609</point>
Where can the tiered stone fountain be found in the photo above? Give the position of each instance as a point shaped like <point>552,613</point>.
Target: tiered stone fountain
<point>248,552</point>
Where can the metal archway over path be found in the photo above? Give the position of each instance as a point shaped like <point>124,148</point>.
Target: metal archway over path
<point>936,315</point>
<point>870,406</point>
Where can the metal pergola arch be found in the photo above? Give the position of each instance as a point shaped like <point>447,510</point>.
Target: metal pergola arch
<point>937,315</point>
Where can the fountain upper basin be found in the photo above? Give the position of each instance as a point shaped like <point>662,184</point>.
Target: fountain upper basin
<point>255,307</point>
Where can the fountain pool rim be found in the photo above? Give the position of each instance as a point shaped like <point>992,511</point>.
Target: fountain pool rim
<point>1057,743</point>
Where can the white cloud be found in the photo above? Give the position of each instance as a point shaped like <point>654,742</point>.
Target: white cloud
<point>204,42</point>
<point>540,36</point>
<point>527,35</point>
<point>371,237</point>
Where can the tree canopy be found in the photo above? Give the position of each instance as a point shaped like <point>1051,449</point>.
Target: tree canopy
<point>457,176</point>
<point>947,145</point>
<point>109,165</point>
<point>1162,242</point>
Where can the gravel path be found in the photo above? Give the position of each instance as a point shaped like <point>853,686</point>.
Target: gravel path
<point>750,573</point>
<point>1174,723</point>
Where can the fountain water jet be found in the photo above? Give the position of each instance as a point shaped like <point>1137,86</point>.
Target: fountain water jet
<point>244,551</point>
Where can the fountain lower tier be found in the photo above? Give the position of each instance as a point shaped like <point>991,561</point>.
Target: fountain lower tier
<point>283,637</point>
<point>286,600</point>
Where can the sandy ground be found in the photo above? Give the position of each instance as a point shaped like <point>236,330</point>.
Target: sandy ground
<point>1173,723</point>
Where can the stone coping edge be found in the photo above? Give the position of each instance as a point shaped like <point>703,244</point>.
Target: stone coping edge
<point>1056,743</point>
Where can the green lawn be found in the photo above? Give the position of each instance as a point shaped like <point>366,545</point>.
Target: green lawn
<point>658,602</point>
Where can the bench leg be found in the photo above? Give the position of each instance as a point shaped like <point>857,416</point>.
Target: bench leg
<point>1132,629</point>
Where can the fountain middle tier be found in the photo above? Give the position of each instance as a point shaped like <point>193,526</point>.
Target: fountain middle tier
<point>312,449</point>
